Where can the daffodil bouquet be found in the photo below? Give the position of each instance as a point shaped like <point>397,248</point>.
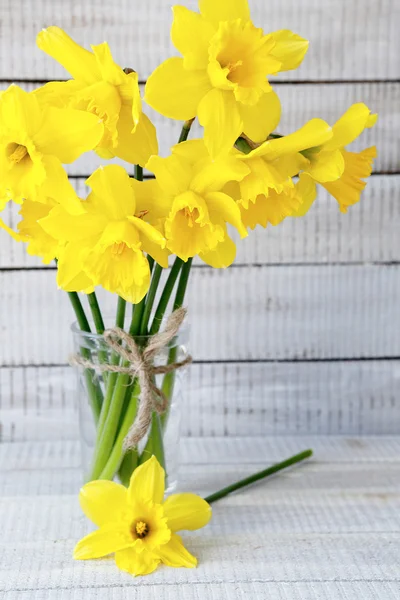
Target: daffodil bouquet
<point>239,174</point>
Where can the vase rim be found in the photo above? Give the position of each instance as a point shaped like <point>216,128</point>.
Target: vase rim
<point>76,330</point>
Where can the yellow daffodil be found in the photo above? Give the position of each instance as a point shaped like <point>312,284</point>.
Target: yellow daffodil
<point>35,140</point>
<point>268,194</point>
<point>105,244</point>
<point>222,76</point>
<point>196,212</point>
<point>101,87</point>
<point>137,525</point>
<point>337,170</point>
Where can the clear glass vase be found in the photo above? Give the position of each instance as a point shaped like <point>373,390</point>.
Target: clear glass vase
<point>107,408</point>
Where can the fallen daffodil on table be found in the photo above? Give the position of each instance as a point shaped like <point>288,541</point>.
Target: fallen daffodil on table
<point>138,239</point>
<point>137,525</point>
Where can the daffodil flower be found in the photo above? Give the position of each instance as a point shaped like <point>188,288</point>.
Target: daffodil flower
<point>101,87</point>
<point>196,212</point>
<point>35,140</point>
<point>222,76</point>
<point>341,172</point>
<point>268,194</point>
<point>137,525</point>
<point>105,244</point>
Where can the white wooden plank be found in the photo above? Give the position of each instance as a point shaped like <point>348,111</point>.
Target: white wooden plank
<point>227,400</point>
<point>266,312</point>
<point>367,233</point>
<point>349,40</point>
<point>299,104</point>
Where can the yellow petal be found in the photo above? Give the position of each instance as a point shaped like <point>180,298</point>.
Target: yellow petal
<point>191,35</point>
<point>136,563</point>
<point>289,48</point>
<point>79,63</point>
<point>72,228</point>
<point>219,114</point>
<point>70,274</point>
<point>17,237</point>
<point>212,176</point>
<point>174,554</point>
<point>39,243</point>
<point>350,126</point>
<point>112,194</point>
<point>108,69</point>
<point>221,10</point>
<point>307,191</point>
<point>102,100</point>
<point>273,208</point>
<point>58,186</point>
<point>67,133</point>
<point>326,166</point>
<point>262,118</point>
<point>222,256</point>
<point>103,501</point>
<point>173,173</point>
<point>176,92</point>
<point>314,133</point>
<point>191,151</point>
<point>137,147</point>
<point>58,93</point>
<point>147,483</point>
<point>20,111</point>
<point>153,242</point>
<point>225,208</point>
<point>358,166</point>
<point>186,511</point>
<point>265,175</point>
<point>104,541</point>
<point>150,200</point>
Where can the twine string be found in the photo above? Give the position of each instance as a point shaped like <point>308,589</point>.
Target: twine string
<point>141,365</point>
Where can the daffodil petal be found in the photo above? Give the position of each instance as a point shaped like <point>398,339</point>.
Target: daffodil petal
<point>103,501</point>
<point>136,563</point>
<point>79,63</point>
<point>150,200</point>
<point>72,228</point>
<point>350,126</point>
<point>174,554</point>
<point>70,274</point>
<point>174,91</point>
<point>58,93</point>
<point>227,209</point>
<point>58,186</point>
<point>314,133</point>
<point>20,110</point>
<point>307,191</point>
<point>221,10</point>
<point>326,166</point>
<point>104,541</point>
<point>147,483</point>
<point>191,35</point>
<point>289,48</point>
<point>172,173</point>
<point>186,511</point>
<point>136,146</point>
<point>222,256</point>
<point>112,193</point>
<point>213,176</point>
<point>109,70</point>
<point>67,133</point>
<point>17,237</point>
<point>192,150</point>
<point>219,114</point>
<point>153,242</point>
<point>262,118</point>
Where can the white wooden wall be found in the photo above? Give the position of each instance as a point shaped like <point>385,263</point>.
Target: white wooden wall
<point>302,334</point>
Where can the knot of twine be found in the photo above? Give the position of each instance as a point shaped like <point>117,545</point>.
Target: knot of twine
<point>141,364</point>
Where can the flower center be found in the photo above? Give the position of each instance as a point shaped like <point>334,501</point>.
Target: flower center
<point>118,248</point>
<point>140,529</point>
<point>16,153</point>
<point>191,216</point>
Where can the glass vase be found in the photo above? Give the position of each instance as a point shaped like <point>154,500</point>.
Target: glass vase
<point>108,403</point>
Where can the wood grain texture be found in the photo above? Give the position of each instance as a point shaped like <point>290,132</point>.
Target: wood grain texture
<point>138,33</point>
<point>261,312</point>
<point>367,233</point>
<point>273,399</point>
<point>300,103</point>
<point>329,526</point>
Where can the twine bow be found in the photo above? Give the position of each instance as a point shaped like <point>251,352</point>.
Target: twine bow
<point>141,364</point>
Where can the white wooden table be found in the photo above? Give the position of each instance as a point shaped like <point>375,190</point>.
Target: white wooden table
<point>329,529</point>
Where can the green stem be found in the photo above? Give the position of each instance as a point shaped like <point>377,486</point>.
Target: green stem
<point>138,172</point>
<point>96,313</point>
<point>185,130</point>
<point>121,310</point>
<point>257,476</point>
<point>94,390</point>
<point>151,294</point>
<point>166,295</point>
